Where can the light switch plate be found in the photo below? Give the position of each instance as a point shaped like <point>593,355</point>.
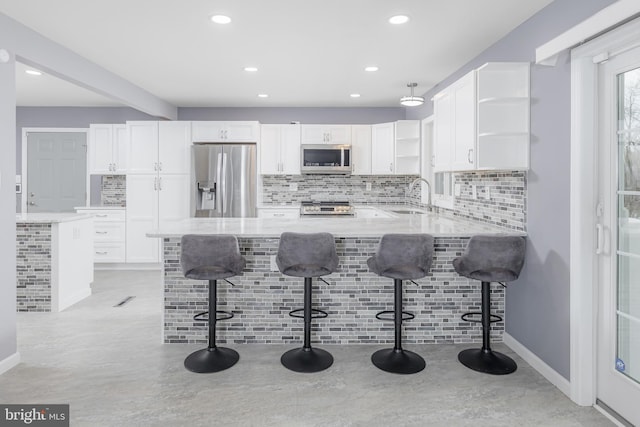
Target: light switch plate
<point>457,190</point>
<point>368,186</point>
<point>272,263</point>
<point>487,193</point>
<point>293,186</point>
<point>474,192</point>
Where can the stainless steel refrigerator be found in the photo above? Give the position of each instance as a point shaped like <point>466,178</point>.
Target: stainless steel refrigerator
<point>224,181</point>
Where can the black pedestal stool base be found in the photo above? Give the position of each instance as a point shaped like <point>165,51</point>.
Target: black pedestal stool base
<point>307,360</point>
<point>211,360</point>
<point>398,361</point>
<point>488,362</point>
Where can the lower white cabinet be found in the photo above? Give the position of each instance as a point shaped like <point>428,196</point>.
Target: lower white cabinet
<point>153,201</point>
<point>109,234</point>
<point>279,212</point>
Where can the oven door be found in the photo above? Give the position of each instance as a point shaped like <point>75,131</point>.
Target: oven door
<point>325,159</point>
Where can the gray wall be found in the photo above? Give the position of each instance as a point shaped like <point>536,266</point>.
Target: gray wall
<point>308,115</point>
<point>8,343</point>
<point>537,305</point>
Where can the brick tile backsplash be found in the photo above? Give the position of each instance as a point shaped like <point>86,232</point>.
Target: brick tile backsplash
<point>262,299</point>
<point>114,190</point>
<point>33,267</point>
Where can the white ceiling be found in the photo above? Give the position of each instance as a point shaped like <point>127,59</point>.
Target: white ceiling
<point>309,53</point>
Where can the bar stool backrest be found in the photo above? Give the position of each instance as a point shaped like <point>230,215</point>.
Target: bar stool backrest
<point>210,257</point>
<point>307,254</point>
<point>492,258</point>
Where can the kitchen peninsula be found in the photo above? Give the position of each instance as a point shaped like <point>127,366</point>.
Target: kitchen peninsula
<point>263,297</point>
<point>54,260</point>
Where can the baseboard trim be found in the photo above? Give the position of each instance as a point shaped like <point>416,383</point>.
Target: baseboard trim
<point>538,364</point>
<point>9,362</point>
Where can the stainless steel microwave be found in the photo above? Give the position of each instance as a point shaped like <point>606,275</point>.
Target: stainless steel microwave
<point>325,159</point>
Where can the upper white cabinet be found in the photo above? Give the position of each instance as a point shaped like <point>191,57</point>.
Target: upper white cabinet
<point>482,120</point>
<point>143,147</point>
<point>159,147</point>
<point>407,147</point>
<point>107,149</point>
<point>382,148</point>
<point>361,149</point>
<point>280,149</point>
<point>455,116</point>
<point>503,116</point>
<point>326,134</point>
<point>241,131</point>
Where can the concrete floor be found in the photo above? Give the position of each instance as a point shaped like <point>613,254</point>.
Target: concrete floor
<point>109,365</point>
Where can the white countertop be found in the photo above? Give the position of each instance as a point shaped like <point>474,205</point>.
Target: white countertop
<point>49,217</point>
<point>340,227</point>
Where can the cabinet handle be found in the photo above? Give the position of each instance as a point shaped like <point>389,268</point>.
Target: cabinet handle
<point>160,166</point>
<point>226,134</point>
<point>390,167</point>
<point>155,166</point>
<point>155,184</point>
<point>433,160</point>
<point>101,253</point>
<point>469,155</point>
<point>101,232</point>
<point>278,214</point>
<point>102,215</point>
<point>160,183</point>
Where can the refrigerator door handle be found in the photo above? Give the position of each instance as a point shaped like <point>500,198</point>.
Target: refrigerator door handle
<point>220,187</point>
<point>224,183</point>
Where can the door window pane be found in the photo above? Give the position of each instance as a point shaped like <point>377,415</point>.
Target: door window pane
<point>629,130</point>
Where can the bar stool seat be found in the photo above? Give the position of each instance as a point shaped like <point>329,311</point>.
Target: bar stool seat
<point>307,255</point>
<point>489,258</point>
<point>212,258</point>
<point>400,257</point>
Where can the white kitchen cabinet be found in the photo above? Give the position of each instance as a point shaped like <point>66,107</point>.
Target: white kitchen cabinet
<point>107,149</point>
<point>326,134</point>
<point>142,217</point>
<point>280,149</point>
<point>109,238</point>
<point>153,202</point>
<point>361,149</point>
<point>143,147</point>
<point>279,212</point>
<point>220,131</point>
<point>382,148</point>
<point>482,120</point>
<point>455,117</point>
<point>407,147</point>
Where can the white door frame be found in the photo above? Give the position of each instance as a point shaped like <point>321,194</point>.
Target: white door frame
<point>585,61</point>
<point>25,184</point>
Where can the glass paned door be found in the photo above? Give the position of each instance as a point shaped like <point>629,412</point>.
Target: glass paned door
<point>628,251</point>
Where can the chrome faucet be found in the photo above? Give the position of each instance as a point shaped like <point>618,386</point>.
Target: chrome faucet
<point>417,180</point>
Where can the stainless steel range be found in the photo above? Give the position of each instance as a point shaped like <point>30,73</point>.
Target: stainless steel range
<point>333,208</point>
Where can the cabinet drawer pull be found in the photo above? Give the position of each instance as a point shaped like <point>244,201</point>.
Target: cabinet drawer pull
<point>102,215</point>
<point>102,253</point>
<point>278,214</point>
<point>102,232</point>
<point>469,155</point>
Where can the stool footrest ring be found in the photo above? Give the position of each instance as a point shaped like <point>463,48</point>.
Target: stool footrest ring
<point>405,316</point>
<point>494,317</point>
<point>204,316</point>
<point>318,314</point>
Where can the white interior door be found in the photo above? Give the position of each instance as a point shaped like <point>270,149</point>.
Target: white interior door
<point>56,171</point>
<point>618,334</point>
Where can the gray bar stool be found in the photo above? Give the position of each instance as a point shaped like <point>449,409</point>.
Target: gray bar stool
<point>308,256</point>
<point>489,258</point>
<point>211,258</point>
<point>400,257</point>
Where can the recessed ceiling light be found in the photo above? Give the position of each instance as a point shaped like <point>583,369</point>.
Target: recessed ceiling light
<point>263,95</point>
<point>251,69</point>
<point>355,95</point>
<point>399,19</point>
<point>371,69</point>
<point>220,19</point>
<point>33,72</point>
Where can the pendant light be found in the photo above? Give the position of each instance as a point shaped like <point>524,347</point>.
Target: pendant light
<point>412,101</point>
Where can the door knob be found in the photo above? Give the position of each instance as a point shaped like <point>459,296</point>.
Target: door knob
<point>32,203</point>
<point>32,195</point>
